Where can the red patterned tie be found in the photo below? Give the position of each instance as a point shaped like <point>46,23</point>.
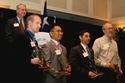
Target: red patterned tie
<point>21,25</point>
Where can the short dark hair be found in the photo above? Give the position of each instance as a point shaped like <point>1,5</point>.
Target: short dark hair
<point>51,26</point>
<point>81,33</point>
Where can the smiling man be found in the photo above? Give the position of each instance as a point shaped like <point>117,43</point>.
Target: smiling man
<point>17,24</point>
<point>54,50</point>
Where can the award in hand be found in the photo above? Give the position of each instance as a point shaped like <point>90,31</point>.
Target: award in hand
<point>37,52</point>
<point>116,70</point>
<point>63,61</point>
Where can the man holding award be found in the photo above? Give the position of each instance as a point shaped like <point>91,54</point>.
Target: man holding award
<point>26,54</point>
<point>106,54</point>
<point>82,60</point>
<point>56,57</point>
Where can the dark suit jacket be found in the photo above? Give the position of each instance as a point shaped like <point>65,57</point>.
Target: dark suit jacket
<point>11,30</point>
<point>21,56</point>
<point>79,64</point>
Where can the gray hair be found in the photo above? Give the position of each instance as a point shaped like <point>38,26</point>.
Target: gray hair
<point>104,25</point>
<point>18,6</point>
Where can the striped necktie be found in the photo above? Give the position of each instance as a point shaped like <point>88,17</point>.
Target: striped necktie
<point>89,55</point>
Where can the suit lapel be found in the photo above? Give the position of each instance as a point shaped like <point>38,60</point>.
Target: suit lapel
<point>25,23</point>
<point>82,49</point>
<point>16,20</point>
<point>54,45</point>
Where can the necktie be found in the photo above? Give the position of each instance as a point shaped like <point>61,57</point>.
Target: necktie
<point>59,47</point>
<point>21,25</point>
<point>89,56</point>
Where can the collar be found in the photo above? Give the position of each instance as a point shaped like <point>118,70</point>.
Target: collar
<point>55,41</point>
<point>19,19</point>
<point>31,34</point>
<point>107,38</point>
<point>84,46</point>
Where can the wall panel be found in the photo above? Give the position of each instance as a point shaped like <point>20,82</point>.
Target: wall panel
<point>118,8</point>
<point>80,6</point>
<point>100,8</point>
<point>58,3</point>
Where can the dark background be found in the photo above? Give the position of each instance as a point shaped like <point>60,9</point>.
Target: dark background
<point>70,29</point>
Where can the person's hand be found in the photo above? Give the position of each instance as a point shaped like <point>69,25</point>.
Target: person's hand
<point>110,66</point>
<point>120,72</point>
<point>69,68</point>
<point>36,61</point>
<point>91,74</point>
<point>65,73</point>
<point>48,67</point>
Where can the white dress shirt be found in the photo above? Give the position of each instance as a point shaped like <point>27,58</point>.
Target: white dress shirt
<point>106,51</point>
<point>22,22</point>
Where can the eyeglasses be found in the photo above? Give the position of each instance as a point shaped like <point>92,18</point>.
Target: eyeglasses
<point>58,31</point>
<point>110,28</point>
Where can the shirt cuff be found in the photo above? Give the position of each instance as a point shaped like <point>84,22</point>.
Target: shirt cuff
<point>103,64</point>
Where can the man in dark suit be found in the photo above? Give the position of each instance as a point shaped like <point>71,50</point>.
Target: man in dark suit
<point>25,66</point>
<point>82,60</point>
<point>56,53</point>
<point>16,24</point>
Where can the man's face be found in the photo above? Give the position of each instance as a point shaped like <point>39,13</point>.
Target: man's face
<point>21,11</point>
<point>108,31</point>
<point>36,24</point>
<point>57,33</point>
<point>85,39</point>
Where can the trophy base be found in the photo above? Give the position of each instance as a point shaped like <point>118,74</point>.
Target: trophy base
<point>97,74</point>
<point>42,67</point>
<point>117,72</point>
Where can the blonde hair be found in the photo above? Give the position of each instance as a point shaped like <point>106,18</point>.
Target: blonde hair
<point>31,17</point>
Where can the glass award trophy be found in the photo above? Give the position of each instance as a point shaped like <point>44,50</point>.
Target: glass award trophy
<point>114,61</point>
<point>91,66</point>
<point>116,70</point>
<point>37,52</point>
<point>63,60</point>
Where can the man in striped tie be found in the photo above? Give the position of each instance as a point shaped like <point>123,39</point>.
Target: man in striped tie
<point>82,60</point>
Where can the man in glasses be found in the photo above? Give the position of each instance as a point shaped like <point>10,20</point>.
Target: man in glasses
<point>106,54</point>
<point>56,57</point>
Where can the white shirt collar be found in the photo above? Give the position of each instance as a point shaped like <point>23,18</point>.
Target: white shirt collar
<point>55,41</point>
<point>107,38</point>
<point>19,19</point>
<point>84,46</point>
